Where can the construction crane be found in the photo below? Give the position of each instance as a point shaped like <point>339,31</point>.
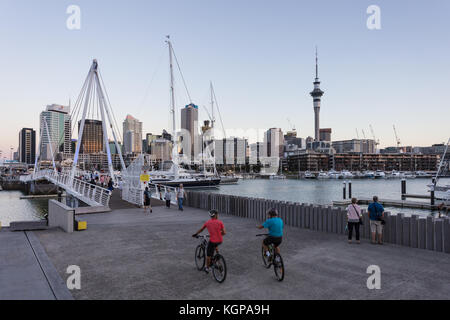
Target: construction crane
<point>396,138</point>
<point>364,134</point>
<point>357,133</point>
<point>291,125</point>
<point>377,142</point>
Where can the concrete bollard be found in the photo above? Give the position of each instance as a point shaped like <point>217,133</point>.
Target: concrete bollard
<point>406,241</point>
<point>430,233</point>
<point>447,235</point>
<point>414,231</point>
<point>399,229</point>
<point>422,233</point>
<point>328,219</point>
<point>438,235</point>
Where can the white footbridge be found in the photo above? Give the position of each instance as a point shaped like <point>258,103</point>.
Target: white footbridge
<point>90,194</point>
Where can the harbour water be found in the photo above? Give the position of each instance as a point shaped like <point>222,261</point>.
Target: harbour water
<point>12,208</point>
<point>324,192</point>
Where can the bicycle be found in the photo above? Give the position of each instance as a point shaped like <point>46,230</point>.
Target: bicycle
<point>274,259</point>
<point>218,264</point>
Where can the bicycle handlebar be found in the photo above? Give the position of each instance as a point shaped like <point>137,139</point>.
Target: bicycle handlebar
<point>262,235</point>
<point>201,237</point>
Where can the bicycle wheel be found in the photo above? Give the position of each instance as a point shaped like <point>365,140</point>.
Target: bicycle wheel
<point>278,267</point>
<point>200,258</point>
<point>219,268</point>
<point>266,259</point>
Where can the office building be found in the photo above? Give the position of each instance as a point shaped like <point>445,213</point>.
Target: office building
<point>325,134</point>
<point>92,141</point>
<point>27,146</point>
<point>355,146</point>
<point>59,135</point>
<point>132,135</point>
<point>189,124</point>
<point>274,141</point>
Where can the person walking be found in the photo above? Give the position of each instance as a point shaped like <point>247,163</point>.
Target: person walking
<point>376,215</point>
<point>147,203</point>
<point>354,219</point>
<point>181,195</point>
<point>167,197</point>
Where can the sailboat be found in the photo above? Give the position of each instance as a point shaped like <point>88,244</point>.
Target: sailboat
<point>176,175</point>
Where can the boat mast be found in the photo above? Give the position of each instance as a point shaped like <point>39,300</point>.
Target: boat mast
<point>172,110</point>
<point>441,164</point>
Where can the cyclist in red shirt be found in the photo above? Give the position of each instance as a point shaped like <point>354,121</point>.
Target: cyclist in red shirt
<point>216,231</point>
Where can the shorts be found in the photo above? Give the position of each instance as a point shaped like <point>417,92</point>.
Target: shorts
<point>211,248</point>
<point>376,227</point>
<point>276,241</point>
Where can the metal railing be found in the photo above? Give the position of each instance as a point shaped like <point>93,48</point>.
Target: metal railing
<point>90,194</point>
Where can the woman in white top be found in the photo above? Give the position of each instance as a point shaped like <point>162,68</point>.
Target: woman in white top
<point>353,216</point>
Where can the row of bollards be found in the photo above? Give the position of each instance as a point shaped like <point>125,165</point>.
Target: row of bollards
<point>344,190</point>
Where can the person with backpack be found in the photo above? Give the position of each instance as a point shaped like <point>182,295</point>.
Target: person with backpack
<point>354,219</point>
<point>376,215</point>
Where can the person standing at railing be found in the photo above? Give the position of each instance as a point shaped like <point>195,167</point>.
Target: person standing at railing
<point>147,202</point>
<point>167,197</point>
<point>181,195</point>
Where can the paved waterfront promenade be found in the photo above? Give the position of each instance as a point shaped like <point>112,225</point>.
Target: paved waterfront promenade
<point>126,254</point>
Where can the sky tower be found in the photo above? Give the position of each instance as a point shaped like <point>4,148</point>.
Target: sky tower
<point>317,95</point>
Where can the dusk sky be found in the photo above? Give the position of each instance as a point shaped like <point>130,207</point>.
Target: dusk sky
<point>259,55</point>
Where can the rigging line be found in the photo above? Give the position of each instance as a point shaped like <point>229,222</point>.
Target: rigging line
<point>182,77</point>
<point>220,115</point>
<point>108,105</point>
<point>147,91</point>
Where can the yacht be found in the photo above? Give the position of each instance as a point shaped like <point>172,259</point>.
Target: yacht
<point>334,174</point>
<point>369,174</point>
<point>379,174</point>
<point>323,175</point>
<point>309,175</point>
<point>347,174</point>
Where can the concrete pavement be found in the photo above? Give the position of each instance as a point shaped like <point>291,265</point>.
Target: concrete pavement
<point>26,273</point>
<point>127,254</point>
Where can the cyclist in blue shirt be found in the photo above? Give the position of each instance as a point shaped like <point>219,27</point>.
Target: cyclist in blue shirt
<point>275,226</point>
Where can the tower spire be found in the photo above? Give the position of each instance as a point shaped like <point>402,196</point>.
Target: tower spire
<point>317,64</point>
<point>317,94</point>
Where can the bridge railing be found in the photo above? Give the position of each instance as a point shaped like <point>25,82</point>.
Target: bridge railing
<point>159,192</point>
<point>89,193</point>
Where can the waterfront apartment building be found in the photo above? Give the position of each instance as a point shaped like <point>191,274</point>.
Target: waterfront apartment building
<point>27,146</point>
<point>132,135</point>
<point>354,146</point>
<point>313,161</point>
<point>92,140</point>
<point>59,136</point>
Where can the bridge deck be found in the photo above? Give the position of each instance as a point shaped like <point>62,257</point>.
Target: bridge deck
<point>127,254</point>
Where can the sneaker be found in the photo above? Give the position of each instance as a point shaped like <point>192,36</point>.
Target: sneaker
<point>207,269</point>
<point>267,254</point>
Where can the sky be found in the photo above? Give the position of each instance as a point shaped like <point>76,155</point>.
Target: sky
<point>260,56</point>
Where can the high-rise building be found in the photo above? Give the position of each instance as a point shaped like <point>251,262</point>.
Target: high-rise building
<point>317,97</point>
<point>355,146</point>
<point>325,134</point>
<point>189,122</point>
<point>274,141</point>
<point>92,141</point>
<point>27,146</point>
<point>59,135</point>
<point>132,135</point>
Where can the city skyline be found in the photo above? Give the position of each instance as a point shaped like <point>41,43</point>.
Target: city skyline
<point>370,77</point>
